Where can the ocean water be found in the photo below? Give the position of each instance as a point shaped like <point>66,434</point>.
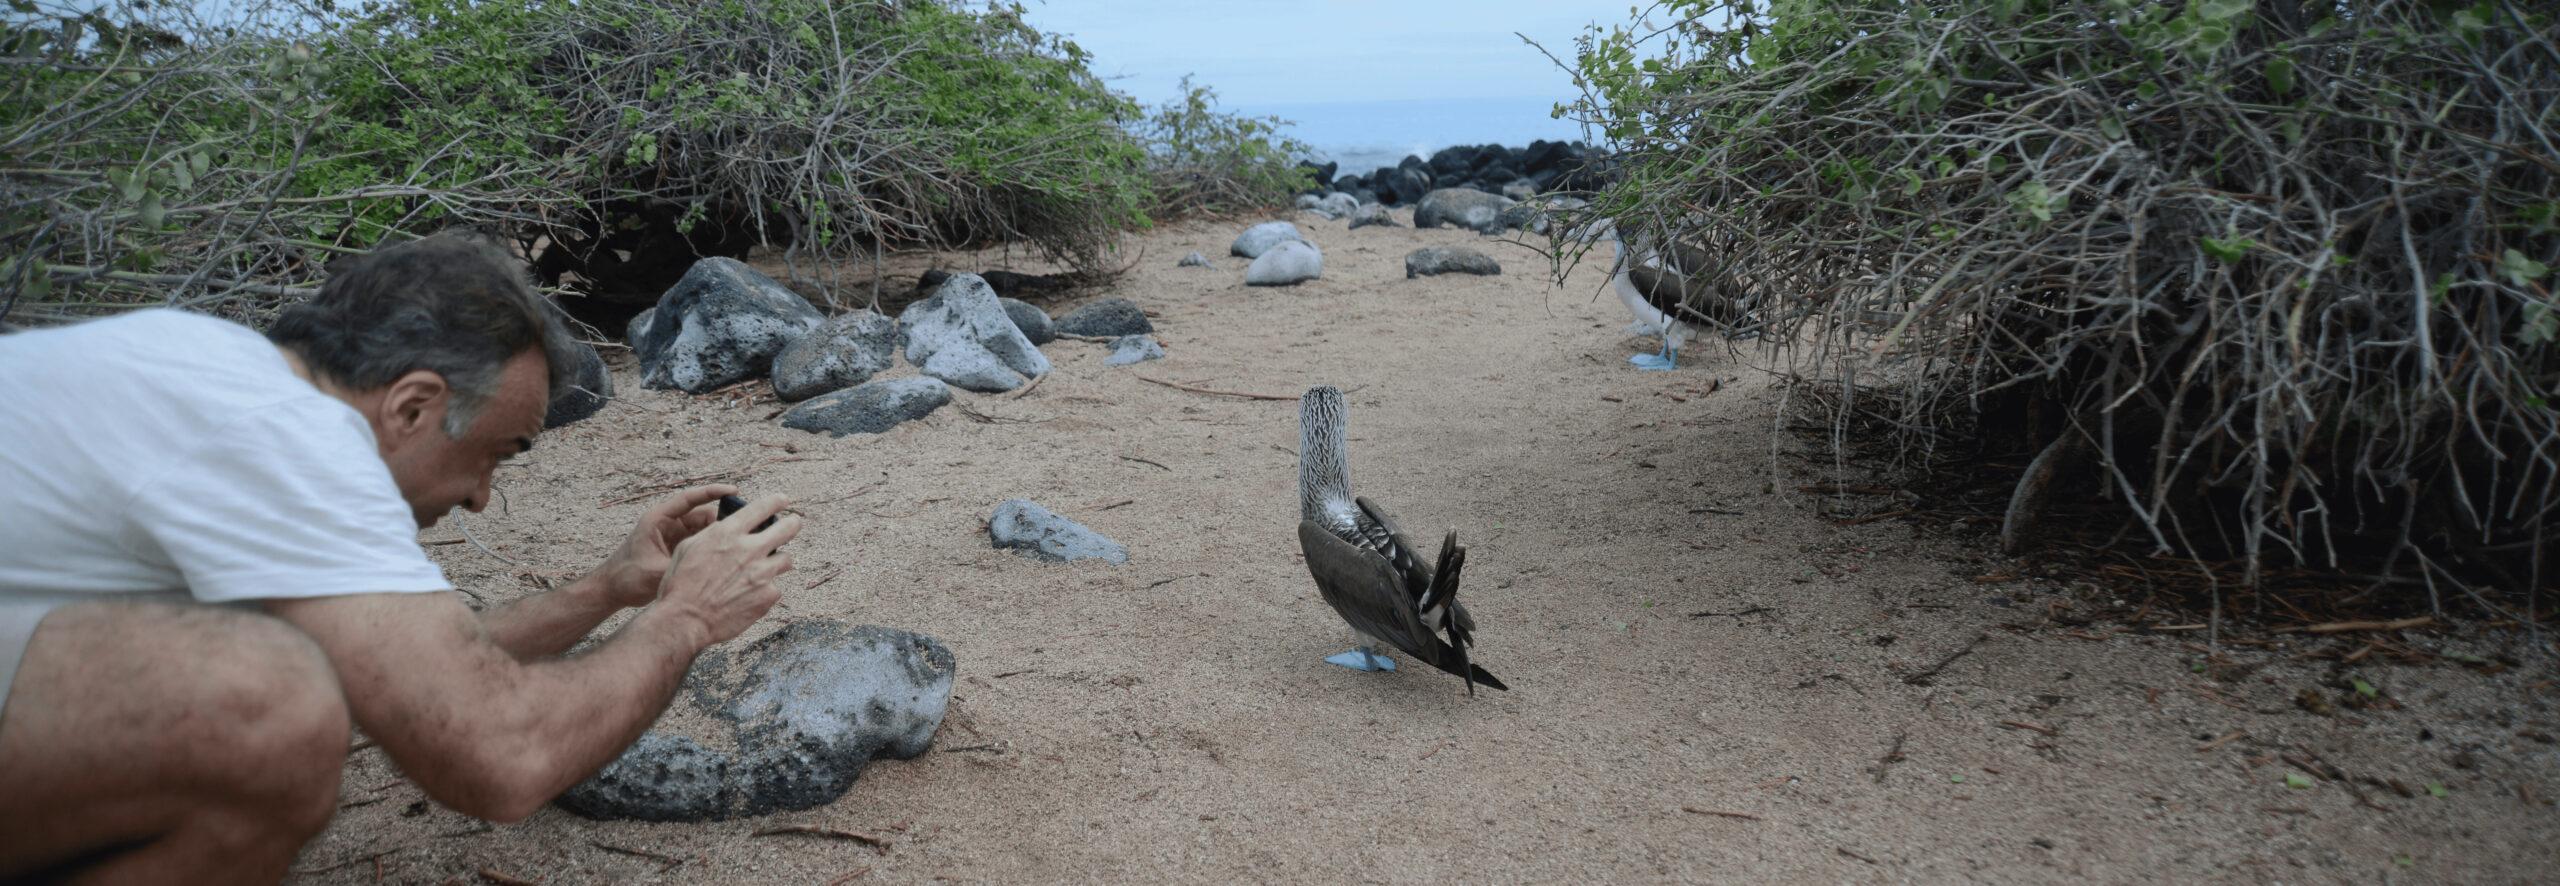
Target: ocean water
<point>1365,135</point>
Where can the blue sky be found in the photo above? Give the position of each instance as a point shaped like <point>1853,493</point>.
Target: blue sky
<point>1271,54</point>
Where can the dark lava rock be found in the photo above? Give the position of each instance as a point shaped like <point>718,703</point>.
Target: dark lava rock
<point>1404,186</point>
<point>723,323</point>
<point>806,709</point>
<point>1317,176</point>
<point>1034,322</point>
<point>1434,260</point>
<point>1109,318</point>
<point>1007,284</point>
<point>846,350</point>
<point>589,387</point>
<point>1035,531</point>
<point>869,408</point>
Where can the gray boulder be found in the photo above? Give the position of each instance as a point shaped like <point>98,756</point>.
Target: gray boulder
<point>1129,349</point>
<point>1338,205</point>
<point>807,708</point>
<point>1287,264</point>
<point>869,408</point>
<point>1434,260</point>
<point>1331,206</point>
<point>1462,208</point>
<point>1034,531</point>
<point>961,335</point>
<point>1035,323</point>
<point>1535,216</point>
<point>1375,214</point>
<point>722,324</point>
<point>1194,260</point>
<point>589,387</point>
<point>844,351</point>
<point>1108,317</point>
<point>1260,238</point>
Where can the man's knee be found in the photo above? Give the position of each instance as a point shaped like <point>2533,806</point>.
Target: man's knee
<point>276,711</point>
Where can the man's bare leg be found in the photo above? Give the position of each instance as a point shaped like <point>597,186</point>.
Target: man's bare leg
<point>149,742</point>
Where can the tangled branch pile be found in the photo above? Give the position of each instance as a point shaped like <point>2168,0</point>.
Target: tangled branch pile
<point>2273,274</point>
<point>149,156</point>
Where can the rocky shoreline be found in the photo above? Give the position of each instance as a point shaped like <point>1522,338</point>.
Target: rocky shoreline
<point>1518,173</point>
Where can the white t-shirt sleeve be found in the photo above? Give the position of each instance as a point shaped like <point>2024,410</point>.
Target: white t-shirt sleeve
<point>288,500</point>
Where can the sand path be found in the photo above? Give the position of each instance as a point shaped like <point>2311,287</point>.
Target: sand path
<point>1171,719</point>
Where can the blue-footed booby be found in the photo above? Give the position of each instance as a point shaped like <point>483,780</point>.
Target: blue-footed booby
<point>1365,567</point>
<point>1677,296</point>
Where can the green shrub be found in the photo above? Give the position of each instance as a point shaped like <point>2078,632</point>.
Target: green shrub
<point>2281,267</point>
<point>1205,161</point>
<point>149,156</point>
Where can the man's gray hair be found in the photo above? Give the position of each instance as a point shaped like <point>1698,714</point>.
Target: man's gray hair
<point>455,304</point>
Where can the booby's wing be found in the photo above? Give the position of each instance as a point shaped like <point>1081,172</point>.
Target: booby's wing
<point>1425,582</point>
<point>1682,297</point>
<point>1370,596</point>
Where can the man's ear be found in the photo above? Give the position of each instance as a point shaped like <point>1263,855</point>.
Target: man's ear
<point>412,403</point>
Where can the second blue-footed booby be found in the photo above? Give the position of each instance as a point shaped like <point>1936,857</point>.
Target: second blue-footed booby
<point>1671,291</point>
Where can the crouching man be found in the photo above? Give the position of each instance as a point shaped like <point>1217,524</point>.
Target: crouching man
<point>209,568</point>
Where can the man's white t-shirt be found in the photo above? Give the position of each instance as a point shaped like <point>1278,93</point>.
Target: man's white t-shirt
<point>164,451</point>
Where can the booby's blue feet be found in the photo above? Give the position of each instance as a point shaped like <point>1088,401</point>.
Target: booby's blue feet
<point>1663,362</point>
<point>1362,660</point>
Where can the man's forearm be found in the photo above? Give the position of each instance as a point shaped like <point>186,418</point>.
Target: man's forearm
<point>572,716</point>
<point>477,728</point>
<point>548,623</point>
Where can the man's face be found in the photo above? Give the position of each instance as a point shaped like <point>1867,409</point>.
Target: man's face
<point>436,472</point>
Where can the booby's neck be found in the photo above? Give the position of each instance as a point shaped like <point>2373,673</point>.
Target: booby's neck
<point>1324,470</point>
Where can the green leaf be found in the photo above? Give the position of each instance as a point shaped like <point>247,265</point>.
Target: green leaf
<point>2148,90</point>
<point>1956,779</point>
<point>2541,325</point>
<point>2111,128</point>
<point>199,163</point>
<point>2437,790</point>
<point>152,212</point>
<point>2227,251</point>
<point>2297,781</point>
<point>2366,689</point>
<point>2520,270</point>
<point>2280,75</point>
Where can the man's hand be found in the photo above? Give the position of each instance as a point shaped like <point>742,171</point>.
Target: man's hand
<point>721,577</point>
<point>631,576</point>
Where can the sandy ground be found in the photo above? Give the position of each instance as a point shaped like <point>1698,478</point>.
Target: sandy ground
<point>1171,719</point>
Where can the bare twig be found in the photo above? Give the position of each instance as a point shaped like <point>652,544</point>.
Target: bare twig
<point>877,843</point>
<point>1719,813</point>
<point>1196,390</point>
<point>1930,675</point>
